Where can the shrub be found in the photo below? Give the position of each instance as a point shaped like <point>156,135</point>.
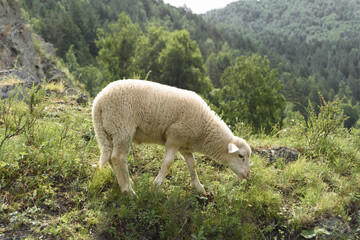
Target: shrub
<point>19,116</point>
<point>324,126</point>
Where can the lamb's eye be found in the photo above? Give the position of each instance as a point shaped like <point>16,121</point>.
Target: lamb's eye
<point>241,155</point>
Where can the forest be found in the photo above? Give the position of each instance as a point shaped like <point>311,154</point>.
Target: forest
<point>284,75</point>
<point>154,41</point>
<point>315,42</point>
<point>312,46</point>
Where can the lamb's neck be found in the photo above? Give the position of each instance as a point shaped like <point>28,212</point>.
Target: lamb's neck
<point>216,139</point>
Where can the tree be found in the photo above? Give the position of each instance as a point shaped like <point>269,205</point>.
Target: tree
<point>182,64</point>
<point>208,47</point>
<point>352,112</point>
<point>159,55</point>
<point>117,49</point>
<point>213,70</point>
<point>148,51</point>
<point>92,78</point>
<point>59,29</point>
<point>251,93</point>
<point>217,63</point>
<point>225,57</point>
<point>71,60</point>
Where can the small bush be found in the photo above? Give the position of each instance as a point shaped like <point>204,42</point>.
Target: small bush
<point>19,116</point>
<point>323,127</point>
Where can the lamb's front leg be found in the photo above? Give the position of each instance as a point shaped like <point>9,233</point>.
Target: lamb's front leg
<point>195,182</point>
<point>168,160</point>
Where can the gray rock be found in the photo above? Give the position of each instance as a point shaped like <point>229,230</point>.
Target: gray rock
<point>71,92</point>
<point>83,99</point>
<point>288,154</point>
<point>48,47</point>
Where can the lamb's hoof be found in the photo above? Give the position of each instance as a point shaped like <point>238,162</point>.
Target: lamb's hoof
<point>205,199</point>
<point>200,188</point>
<point>157,187</point>
<point>158,181</point>
<point>130,192</point>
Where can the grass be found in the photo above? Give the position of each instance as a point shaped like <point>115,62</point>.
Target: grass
<point>9,81</point>
<point>57,88</point>
<point>51,187</point>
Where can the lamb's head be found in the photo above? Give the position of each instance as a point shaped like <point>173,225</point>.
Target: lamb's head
<point>238,160</point>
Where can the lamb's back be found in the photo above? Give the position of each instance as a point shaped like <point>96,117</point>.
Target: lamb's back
<point>151,108</point>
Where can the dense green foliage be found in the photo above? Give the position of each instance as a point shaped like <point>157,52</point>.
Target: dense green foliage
<point>171,58</point>
<point>73,22</point>
<point>152,41</point>
<point>117,49</point>
<point>312,44</point>
<point>250,85</point>
<point>51,187</point>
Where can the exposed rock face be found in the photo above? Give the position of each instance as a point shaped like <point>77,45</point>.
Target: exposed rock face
<point>19,61</point>
<point>17,51</point>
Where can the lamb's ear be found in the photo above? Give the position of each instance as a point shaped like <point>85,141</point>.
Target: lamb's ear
<point>232,148</point>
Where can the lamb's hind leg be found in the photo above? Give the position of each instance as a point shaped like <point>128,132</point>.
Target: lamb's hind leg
<point>120,167</point>
<point>104,156</point>
<point>195,182</point>
<point>106,148</point>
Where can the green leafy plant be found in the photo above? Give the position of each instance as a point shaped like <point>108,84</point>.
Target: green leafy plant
<point>324,124</point>
<point>324,129</point>
<point>20,116</point>
<point>308,234</point>
<point>251,93</point>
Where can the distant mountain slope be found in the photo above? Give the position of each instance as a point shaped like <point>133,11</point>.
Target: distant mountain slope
<point>319,19</point>
<point>318,38</point>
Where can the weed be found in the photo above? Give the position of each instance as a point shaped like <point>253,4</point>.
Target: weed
<point>324,126</point>
<point>19,116</point>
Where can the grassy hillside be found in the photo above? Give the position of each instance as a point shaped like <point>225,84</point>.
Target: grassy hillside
<point>52,188</point>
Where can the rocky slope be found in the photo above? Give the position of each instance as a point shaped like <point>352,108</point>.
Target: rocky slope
<point>20,61</point>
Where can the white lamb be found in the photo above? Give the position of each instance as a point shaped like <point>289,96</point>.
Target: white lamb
<point>146,112</point>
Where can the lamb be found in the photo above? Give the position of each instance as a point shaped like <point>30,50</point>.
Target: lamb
<point>141,111</point>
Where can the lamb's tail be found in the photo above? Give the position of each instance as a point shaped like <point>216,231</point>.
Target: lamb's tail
<point>102,137</point>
